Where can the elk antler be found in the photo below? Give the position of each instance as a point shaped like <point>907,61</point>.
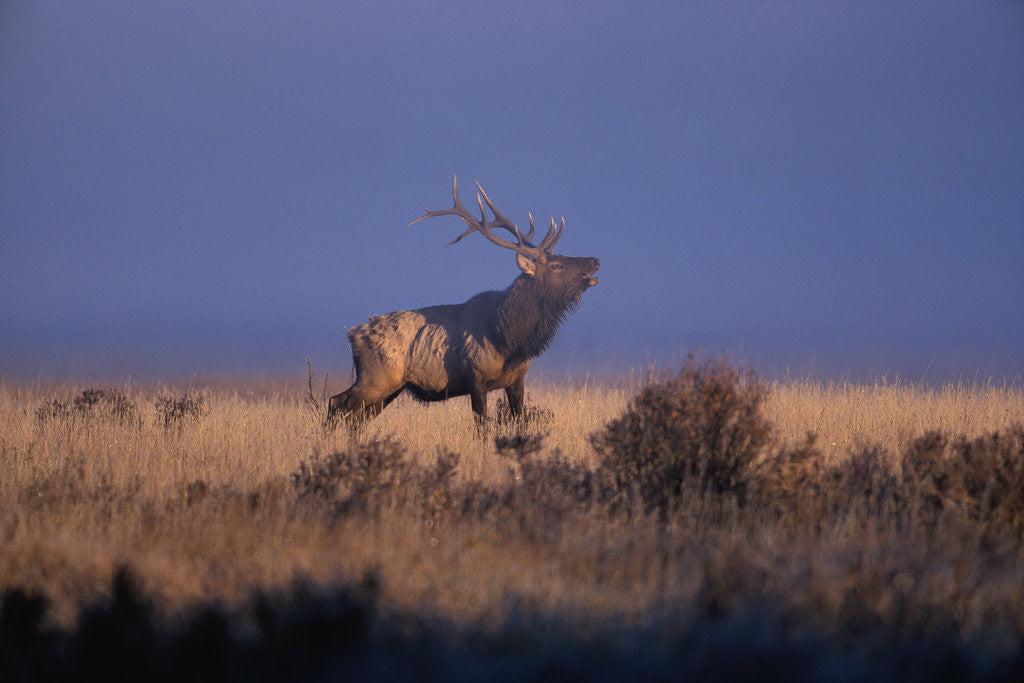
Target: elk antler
<point>548,243</point>
<point>523,244</point>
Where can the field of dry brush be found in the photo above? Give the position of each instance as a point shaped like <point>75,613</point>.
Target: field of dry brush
<point>700,523</point>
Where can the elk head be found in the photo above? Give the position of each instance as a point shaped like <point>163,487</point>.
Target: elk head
<point>568,276</point>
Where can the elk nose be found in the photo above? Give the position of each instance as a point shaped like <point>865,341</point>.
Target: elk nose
<point>594,264</point>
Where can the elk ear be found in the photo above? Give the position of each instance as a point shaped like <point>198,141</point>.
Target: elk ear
<point>526,265</point>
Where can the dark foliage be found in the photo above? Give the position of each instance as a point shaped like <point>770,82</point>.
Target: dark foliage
<point>543,495</point>
<point>25,644</point>
<point>347,633</point>
<point>53,410</point>
<point>377,475</point>
<point>100,403</point>
<point>518,446</point>
<point>547,491</point>
<point>798,487</point>
<point>107,402</point>
<point>552,491</point>
<point>698,432</point>
<point>981,479</point>
<point>175,411</point>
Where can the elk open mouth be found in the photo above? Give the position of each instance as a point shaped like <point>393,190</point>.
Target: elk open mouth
<point>590,278</point>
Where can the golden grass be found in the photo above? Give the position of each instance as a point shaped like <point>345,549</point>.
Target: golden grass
<point>846,415</point>
<point>205,510</point>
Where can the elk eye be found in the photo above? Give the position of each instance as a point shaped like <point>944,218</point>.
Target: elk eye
<point>556,266</point>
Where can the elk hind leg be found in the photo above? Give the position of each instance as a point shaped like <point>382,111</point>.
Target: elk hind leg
<point>478,401</point>
<point>514,394</point>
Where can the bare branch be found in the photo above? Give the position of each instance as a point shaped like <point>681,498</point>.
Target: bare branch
<point>316,406</point>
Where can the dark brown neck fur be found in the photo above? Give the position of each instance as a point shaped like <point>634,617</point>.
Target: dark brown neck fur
<point>528,317</point>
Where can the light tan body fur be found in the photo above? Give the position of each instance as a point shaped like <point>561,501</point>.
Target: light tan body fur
<point>436,352</point>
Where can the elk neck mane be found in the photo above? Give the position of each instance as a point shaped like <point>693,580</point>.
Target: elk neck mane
<point>529,315</point>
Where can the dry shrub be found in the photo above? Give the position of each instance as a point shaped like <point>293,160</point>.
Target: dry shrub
<point>98,403</point>
<point>551,491</point>
<point>865,485</point>
<point>104,399</point>
<point>982,478</point>
<point>977,480</point>
<point>174,411</point>
<point>364,476</point>
<point>74,483</point>
<point>376,475</point>
<point>543,493</point>
<point>519,446</point>
<point>789,482</point>
<point>435,488</point>
<point>699,432</point>
<point>546,491</point>
<point>798,486</point>
<point>53,410</point>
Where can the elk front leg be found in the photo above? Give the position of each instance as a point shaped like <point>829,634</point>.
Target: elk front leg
<point>356,407</point>
<point>515,394</point>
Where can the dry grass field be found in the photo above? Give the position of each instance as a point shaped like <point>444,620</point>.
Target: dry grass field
<point>686,526</point>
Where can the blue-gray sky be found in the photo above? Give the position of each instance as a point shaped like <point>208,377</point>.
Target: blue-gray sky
<point>836,188</point>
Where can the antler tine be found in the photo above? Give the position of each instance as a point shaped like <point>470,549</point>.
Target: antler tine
<point>554,233</point>
<point>474,225</point>
<point>529,235</point>
<point>456,210</point>
<point>483,214</point>
<point>469,231</point>
<point>500,220</point>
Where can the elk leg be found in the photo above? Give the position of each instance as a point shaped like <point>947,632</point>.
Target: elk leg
<point>355,407</point>
<point>478,400</point>
<point>340,405</point>
<point>371,410</point>
<point>515,393</point>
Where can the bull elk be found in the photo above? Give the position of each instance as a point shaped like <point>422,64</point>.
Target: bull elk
<point>486,343</point>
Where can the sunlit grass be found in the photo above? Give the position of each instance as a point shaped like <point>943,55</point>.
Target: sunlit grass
<point>202,507</point>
